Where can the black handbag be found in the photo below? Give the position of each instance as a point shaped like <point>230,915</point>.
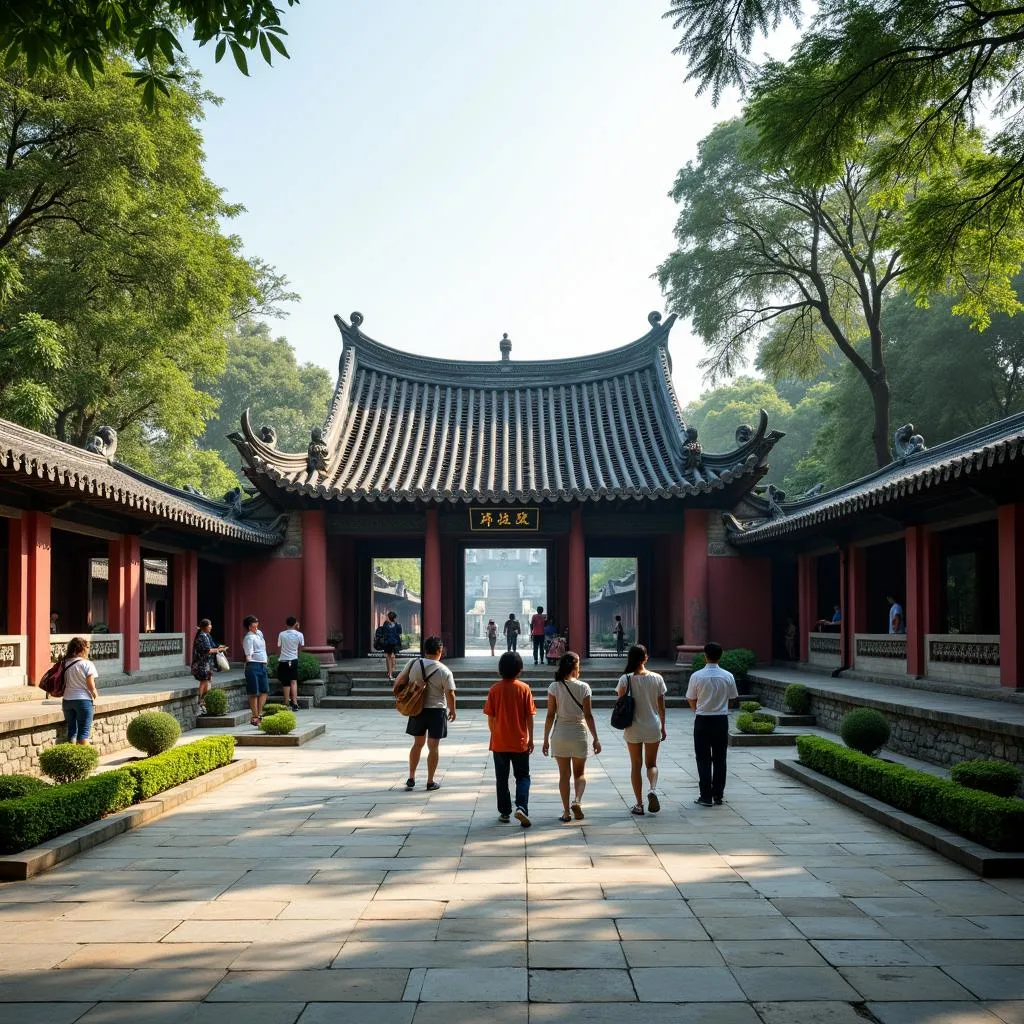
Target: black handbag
<point>625,707</point>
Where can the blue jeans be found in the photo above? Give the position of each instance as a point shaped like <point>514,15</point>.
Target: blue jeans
<point>256,679</point>
<point>520,765</point>
<point>78,718</point>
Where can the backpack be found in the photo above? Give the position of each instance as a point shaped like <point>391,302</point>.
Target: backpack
<point>409,697</point>
<point>378,638</point>
<point>625,708</point>
<point>52,682</point>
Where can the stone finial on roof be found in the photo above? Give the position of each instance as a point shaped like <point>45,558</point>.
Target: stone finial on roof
<point>906,442</point>
<point>506,348</point>
<point>104,443</point>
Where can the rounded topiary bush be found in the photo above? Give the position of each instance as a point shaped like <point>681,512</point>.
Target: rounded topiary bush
<point>216,702</point>
<point>14,786</point>
<point>797,699</point>
<point>280,724</point>
<point>269,710</point>
<point>68,762</point>
<point>153,732</point>
<point>755,722</point>
<point>864,729</point>
<point>750,706</point>
<point>309,667</point>
<point>997,777</point>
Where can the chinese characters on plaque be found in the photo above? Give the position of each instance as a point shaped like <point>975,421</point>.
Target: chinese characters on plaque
<point>504,520</point>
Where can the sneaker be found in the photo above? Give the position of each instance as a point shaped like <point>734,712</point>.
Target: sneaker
<point>294,707</point>
<point>522,817</point>
<point>410,783</point>
<point>504,818</point>
<point>202,709</point>
<point>703,803</point>
<point>718,801</point>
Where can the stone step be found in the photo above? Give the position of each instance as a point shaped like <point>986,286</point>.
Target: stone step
<point>784,718</point>
<point>228,721</point>
<point>304,702</point>
<point>471,701</point>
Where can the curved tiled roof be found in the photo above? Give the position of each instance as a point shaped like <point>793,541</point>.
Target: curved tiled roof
<point>968,456</point>
<point>50,462</point>
<point>405,427</point>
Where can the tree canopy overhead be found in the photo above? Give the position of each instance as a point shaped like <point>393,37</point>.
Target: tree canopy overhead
<point>77,35</point>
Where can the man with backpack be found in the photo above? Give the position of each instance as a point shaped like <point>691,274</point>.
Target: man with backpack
<point>430,723</point>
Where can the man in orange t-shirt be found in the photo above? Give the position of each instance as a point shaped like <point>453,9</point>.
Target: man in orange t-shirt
<point>510,711</point>
<point>537,624</point>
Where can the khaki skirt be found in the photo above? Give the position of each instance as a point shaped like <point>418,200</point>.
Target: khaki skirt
<point>569,739</point>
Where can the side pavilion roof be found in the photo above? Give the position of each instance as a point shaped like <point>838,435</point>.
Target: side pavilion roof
<point>404,427</point>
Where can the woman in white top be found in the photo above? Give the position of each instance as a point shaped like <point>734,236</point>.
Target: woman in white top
<point>568,709</point>
<point>648,728</point>
<point>79,691</point>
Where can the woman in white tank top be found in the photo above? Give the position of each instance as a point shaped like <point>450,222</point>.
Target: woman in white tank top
<point>645,734</point>
<point>569,718</point>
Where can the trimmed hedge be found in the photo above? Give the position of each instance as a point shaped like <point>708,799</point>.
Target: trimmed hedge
<point>309,667</point>
<point>750,706</point>
<point>68,762</point>
<point>865,729</point>
<point>739,661</point>
<point>993,821</point>
<point>797,699</point>
<point>269,710</point>
<point>755,722</point>
<point>54,810</point>
<point>280,724</point>
<point>14,786</point>
<point>999,777</point>
<point>153,732</point>
<point>216,702</point>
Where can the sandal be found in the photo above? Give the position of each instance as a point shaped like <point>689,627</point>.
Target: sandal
<point>577,811</point>
<point>636,809</point>
<point>433,785</point>
<point>565,817</point>
<point>653,803</point>
<point>254,721</point>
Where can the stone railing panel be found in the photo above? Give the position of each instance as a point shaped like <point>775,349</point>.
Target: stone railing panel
<point>823,650</point>
<point>106,650</point>
<point>883,653</point>
<point>13,650</point>
<point>160,650</point>
<point>962,657</point>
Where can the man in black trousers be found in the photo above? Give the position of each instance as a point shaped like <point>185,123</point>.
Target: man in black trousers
<point>709,693</point>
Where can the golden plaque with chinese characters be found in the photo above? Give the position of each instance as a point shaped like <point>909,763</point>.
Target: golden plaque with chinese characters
<point>504,520</point>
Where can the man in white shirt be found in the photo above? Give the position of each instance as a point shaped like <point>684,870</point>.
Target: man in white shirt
<point>289,641</point>
<point>257,684</point>
<point>896,621</point>
<point>709,692</point>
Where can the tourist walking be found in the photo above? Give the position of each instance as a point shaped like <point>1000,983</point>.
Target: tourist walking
<point>708,693</point>
<point>204,651</point>
<point>620,636</point>
<point>510,712</point>
<point>430,726</point>
<point>565,732</point>
<point>537,624</point>
<point>289,640</point>
<point>512,630</point>
<point>492,634</point>
<point>80,694</point>
<point>644,735</point>
<point>392,638</point>
<point>257,683</point>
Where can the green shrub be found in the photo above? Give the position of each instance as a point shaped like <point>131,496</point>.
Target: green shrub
<point>994,821</point>
<point>68,762</point>
<point>997,777</point>
<point>797,699</point>
<point>739,661</point>
<point>14,786</point>
<point>216,702</point>
<point>864,729</point>
<point>750,706</point>
<point>173,767</point>
<point>31,820</point>
<point>153,732</point>
<point>269,710</point>
<point>280,724</point>
<point>755,722</point>
<point>309,667</point>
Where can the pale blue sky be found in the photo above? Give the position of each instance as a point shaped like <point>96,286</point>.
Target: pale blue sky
<point>457,169</point>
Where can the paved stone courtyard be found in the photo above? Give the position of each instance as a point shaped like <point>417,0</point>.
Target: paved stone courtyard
<point>316,889</point>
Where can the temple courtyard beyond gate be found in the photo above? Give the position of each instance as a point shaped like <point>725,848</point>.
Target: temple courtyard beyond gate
<point>316,889</point>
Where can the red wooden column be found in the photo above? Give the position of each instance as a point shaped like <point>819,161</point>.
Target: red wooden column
<point>578,590</point>
<point>1011,595</point>
<point>855,610</point>
<point>432,576</point>
<point>807,599</point>
<point>922,595</point>
<point>314,584</point>
<point>17,578</point>
<point>37,526</point>
<point>695,577</point>
<point>124,596</point>
<point>185,596</point>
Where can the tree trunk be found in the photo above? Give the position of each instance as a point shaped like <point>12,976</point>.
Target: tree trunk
<point>880,401</point>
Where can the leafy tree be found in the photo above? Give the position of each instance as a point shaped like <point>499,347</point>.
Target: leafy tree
<point>77,35</point>
<point>604,569</point>
<point>408,569</point>
<point>264,377</point>
<point>925,68</point>
<point>117,272</point>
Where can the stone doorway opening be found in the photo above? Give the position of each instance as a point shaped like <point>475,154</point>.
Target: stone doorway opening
<point>500,582</point>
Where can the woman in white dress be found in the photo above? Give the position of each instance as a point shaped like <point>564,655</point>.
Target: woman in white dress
<point>647,731</point>
<point>565,732</point>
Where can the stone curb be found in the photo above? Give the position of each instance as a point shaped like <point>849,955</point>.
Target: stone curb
<point>977,858</point>
<point>291,739</point>
<point>16,867</point>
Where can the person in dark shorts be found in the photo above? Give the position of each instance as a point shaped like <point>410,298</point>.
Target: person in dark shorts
<point>430,726</point>
<point>289,640</point>
<point>257,685</point>
<point>392,644</point>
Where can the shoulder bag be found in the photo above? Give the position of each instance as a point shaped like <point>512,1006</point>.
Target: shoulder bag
<point>52,682</point>
<point>568,690</point>
<point>409,698</point>
<point>625,707</point>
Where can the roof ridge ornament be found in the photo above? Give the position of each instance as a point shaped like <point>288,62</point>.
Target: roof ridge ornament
<point>654,318</point>
<point>905,442</point>
<point>104,443</point>
<point>505,345</point>
<point>357,321</point>
<point>317,453</point>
